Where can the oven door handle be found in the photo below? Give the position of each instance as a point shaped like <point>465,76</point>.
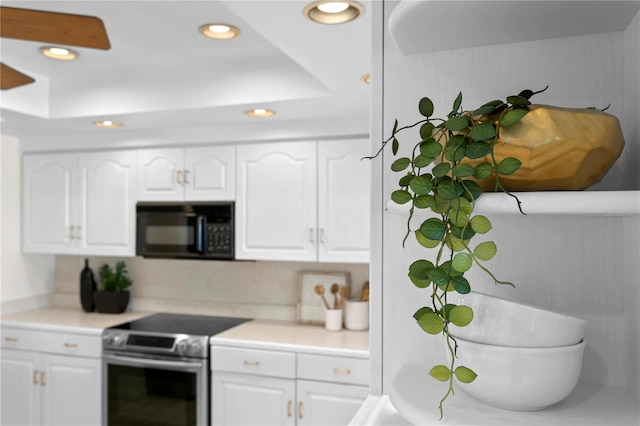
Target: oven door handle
<point>148,362</point>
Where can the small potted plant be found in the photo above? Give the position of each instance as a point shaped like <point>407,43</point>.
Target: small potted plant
<point>113,297</point>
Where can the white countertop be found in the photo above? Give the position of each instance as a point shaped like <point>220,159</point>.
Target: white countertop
<point>280,335</point>
<point>73,320</point>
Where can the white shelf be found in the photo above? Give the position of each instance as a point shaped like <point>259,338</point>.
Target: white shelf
<point>430,25</point>
<point>594,203</point>
<point>415,396</point>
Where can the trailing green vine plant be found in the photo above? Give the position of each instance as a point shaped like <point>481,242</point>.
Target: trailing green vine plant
<point>449,191</point>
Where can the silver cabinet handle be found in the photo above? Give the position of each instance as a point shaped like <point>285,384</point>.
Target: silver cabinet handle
<point>186,177</point>
<point>311,240</point>
<point>253,363</point>
<point>35,377</point>
<point>342,371</point>
<point>70,345</point>
<point>79,233</point>
<point>178,178</point>
<point>42,383</point>
<point>300,410</point>
<point>11,339</point>
<point>289,408</point>
<point>71,229</point>
<point>321,235</point>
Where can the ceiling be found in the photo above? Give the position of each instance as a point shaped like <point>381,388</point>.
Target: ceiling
<point>168,84</point>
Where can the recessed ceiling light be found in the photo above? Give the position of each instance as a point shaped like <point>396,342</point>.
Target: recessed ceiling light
<point>107,124</point>
<point>366,78</point>
<point>60,53</point>
<point>333,12</point>
<point>260,112</point>
<point>220,31</point>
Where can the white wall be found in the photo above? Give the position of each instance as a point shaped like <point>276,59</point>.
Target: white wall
<point>26,281</point>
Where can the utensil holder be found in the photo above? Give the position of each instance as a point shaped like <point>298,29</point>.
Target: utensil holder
<point>333,319</point>
<point>356,315</point>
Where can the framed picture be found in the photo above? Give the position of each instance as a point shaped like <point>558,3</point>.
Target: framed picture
<point>310,305</point>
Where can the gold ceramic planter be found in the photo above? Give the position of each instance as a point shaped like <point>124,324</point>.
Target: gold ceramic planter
<point>560,149</point>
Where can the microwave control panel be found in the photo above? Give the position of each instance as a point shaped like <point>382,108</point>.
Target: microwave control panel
<point>220,237</point>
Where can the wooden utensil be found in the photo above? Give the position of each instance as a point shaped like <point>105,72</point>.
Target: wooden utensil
<point>319,289</point>
<point>344,292</point>
<point>334,290</point>
<point>365,292</point>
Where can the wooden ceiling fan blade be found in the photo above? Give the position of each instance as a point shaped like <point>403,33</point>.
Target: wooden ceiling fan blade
<point>53,27</point>
<point>10,78</point>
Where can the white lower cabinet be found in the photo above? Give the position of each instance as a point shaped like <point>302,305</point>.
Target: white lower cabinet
<point>41,388</point>
<point>261,387</point>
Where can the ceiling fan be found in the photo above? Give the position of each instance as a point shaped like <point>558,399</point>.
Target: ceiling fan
<point>48,27</point>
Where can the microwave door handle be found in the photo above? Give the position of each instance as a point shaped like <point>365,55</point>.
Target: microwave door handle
<point>201,234</point>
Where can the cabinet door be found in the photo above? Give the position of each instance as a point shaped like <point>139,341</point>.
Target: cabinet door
<point>276,201</point>
<point>49,201</point>
<point>209,173</point>
<point>344,201</point>
<point>107,203</point>
<point>242,399</point>
<point>72,391</point>
<point>160,174</point>
<point>20,389</point>
<point>328,403</point>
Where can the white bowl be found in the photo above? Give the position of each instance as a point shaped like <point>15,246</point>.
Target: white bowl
<point>498,321</point>
<point>521,379</point>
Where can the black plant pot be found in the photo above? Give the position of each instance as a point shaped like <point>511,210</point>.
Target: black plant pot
<point>111,302</point>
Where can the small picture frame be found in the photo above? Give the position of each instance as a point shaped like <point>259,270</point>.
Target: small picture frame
<point>310,305</point>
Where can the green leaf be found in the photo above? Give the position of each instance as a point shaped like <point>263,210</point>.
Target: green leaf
<point>481,224</point>
<point>449,189</point>
<point>513,116</point>
<point>419,273</point>
<point>483,170</point>
<point>458,122</point>
<point>462,262</point>
<point>421,161</point>
<point>425,242</point>
<point>472,190</point>
<point>425,106</point>
<point>458,218</point>
<point>454,153</point>
<point>441,373</point>
<point>483,110</point>
<point>430,148</point>
<point>431,323</point>
<point>478,150</point>
<point>463,233</point>
<point>394,146</point>
<point>483,132</point>
<point>439,276</point>
<point>420,312</point>
<point>424,201</point>
<point>463,170</point>
<point>421,185</point>
<point>442,205</point>
<point>518,101</point>
<point>405,180</point>
<point>457,102</point>
<point>432,229</point>
<point>400,196</point>
<point>455,244</point>
<point>426,130</point>
<point>465,375</point>
<point>462,204</point>
<point>461,285</point>
<point>441,169</point>
<point>485,251</point>
<point>508,166</point>
<point>400,164</point>
<point>461,315</point>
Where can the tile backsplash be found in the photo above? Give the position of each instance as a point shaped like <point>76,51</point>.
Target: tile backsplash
<point>262,289</point>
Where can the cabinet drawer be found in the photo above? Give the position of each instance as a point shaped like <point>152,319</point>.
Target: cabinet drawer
<point>73,344</point>
<point>21,339</point>
<point>333,369</point>
<point>263,363</point>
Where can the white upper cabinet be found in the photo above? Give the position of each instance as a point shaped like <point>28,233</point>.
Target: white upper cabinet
<point>189,174</point>
<point>344,201</point>
<point>303,201</point>
<point>80,203</point>
<point>276,201</point>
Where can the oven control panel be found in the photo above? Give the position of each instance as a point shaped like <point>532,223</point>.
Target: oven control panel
<point>180,345</point>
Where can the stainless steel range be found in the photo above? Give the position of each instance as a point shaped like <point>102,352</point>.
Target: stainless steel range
<point>156,369</point>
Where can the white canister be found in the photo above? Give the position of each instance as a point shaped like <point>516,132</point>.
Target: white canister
<point>356,315</point>
<point>333,319</point>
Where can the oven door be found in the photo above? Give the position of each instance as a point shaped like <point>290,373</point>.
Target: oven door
<point>145,390</point>
<point>170,232</point>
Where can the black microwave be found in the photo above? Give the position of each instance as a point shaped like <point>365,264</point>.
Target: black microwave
<point>185,230</point>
